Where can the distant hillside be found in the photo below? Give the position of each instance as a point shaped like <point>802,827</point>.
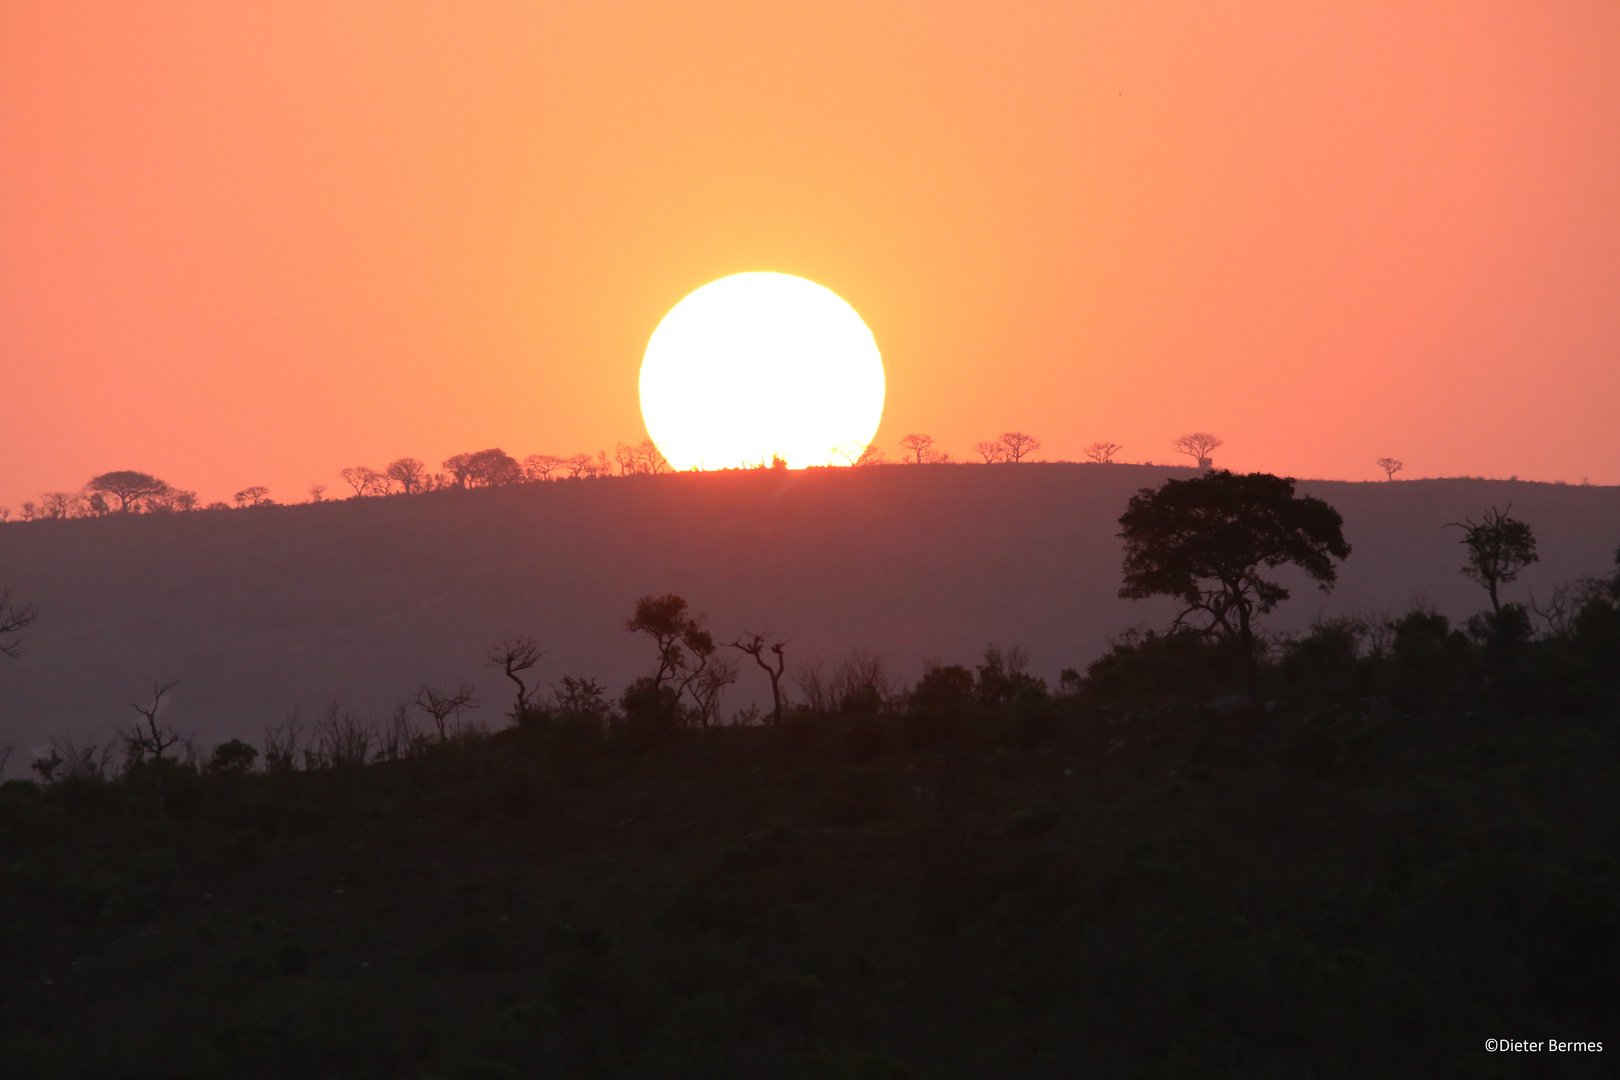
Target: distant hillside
<point>256,610</point>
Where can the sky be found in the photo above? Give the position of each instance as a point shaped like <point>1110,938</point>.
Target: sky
<point>247,243</point>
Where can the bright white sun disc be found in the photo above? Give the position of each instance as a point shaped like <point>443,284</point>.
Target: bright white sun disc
<point>761,365</point>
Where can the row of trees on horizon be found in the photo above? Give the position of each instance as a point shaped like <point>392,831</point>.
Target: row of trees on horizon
<point>132,491</point>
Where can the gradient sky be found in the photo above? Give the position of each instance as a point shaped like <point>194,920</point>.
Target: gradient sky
<point>246,243</point>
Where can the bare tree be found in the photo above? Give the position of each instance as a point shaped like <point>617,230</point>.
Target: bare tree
<point>344,739</point>
<point>1019,445</point>
<point>1103,452</point>
<point>540,466</point>
<point>576,464</point>
<point>1199,446</point>
<point>30,512</point>
<point>56,505</point>
<point>990,449</point>
<point>652,460</point>
<point>129,487</point>
<point>1390,466</point>
<point>14,619</point>
<point>5,513</point>
<point>444,705</point>
<point>707,682</point>
<point>515,656</point>
<point>399,738</point>
<point>921,449</point>
<point>317,492</point>
<point>410,474</point>
<point>755,645</point>
<point>257,495</point>
<point>281,743</point>
<point>172,501</point>
<point>365,480</point>
<point>150,738</point>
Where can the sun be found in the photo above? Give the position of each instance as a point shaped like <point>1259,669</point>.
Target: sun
<point>755,366</point>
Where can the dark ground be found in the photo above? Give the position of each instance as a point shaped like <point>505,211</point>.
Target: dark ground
<point>1022,887</point>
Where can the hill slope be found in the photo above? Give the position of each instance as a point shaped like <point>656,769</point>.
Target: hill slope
<point>363,601</point>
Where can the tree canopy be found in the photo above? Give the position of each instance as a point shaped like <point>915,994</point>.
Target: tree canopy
<point>1205,541</point>
<point>127,486</point>
<point>1499,547</point>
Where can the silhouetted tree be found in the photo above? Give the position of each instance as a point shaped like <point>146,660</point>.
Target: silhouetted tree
<point>990,449</point>
<point>1199,446</point>
<point>1390,466</point>
<point>1498,548</point>
<point>654,461</point>
<point>645,457</point>
<point>626,457</point>
<point>317,492</point>
<point>257,495</point>
<point>234,756</point>
<point>540,466</point>
<point>442,705</point>
<point>57,505</point>
<point>492,468</point>
<point>129,487</point>
<point>755,645</point>
<point>1204,541</point>
<point>870,456</point>
<point>1019,445</point>
<point>707,680</point>
<point>14,619</point>
<point>921,449</point>
<point>515,656</point>
<point>1103,452</point>
<point>460,469</point>
<point>149,738</point>
<point>172,501</point>
<point>576,464</point>
<point>364,480</point>
<point>410,474</point>
<point>668,622</point>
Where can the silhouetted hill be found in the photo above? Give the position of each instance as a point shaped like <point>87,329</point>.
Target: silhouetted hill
<point>363,601</point>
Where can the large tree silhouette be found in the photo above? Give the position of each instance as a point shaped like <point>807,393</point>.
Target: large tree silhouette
<point>129,487</point>
<point>1204,542</point>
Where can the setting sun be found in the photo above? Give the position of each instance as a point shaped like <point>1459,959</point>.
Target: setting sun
<point>761,365</point>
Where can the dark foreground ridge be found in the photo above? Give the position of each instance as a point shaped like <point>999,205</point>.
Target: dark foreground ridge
<point>1407,849</point>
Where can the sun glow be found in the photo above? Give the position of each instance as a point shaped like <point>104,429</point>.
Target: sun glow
<point>755,366</point>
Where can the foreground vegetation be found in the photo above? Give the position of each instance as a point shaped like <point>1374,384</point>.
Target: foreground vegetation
<point>1409,848</point>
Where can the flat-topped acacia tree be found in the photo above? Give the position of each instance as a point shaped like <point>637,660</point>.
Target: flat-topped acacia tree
<point>1205,541</point>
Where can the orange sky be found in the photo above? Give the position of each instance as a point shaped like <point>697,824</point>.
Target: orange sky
<point>250,243</point>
